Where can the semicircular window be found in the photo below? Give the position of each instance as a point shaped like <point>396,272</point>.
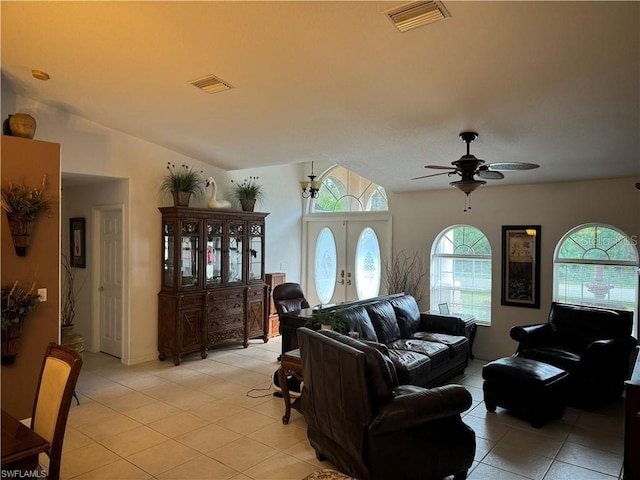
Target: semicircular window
<point>345,191</point>
<point>596,264</point>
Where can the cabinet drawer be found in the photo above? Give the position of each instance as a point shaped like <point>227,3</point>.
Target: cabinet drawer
<point>225,322</point>
<point>237,295</point>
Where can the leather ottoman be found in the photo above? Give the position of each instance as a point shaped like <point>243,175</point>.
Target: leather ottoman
<point>533,390</point>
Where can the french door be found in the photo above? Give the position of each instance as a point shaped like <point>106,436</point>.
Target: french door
<point>345,257</point>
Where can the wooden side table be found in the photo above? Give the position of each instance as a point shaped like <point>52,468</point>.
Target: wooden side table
<point>290,364</point>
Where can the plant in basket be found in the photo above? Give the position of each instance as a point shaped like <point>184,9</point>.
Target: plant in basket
<point>182,182</point>
<point>17,301</point>
<point>247,193</point>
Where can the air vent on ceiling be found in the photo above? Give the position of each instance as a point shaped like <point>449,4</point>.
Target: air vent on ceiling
<point>210,84</point>
<point>416,14</point>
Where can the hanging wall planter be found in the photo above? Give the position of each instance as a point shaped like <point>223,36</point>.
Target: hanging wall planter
<point>17,302</point>
<point>23,206</point>
<point>21,228</point>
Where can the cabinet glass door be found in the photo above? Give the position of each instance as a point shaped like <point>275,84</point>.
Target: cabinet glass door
<point>213,257</point>
<point>255,252</point>
<point>190,259</point>
<point>236,253</point>
<point>167,256</point>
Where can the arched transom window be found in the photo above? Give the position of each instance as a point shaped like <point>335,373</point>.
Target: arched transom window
<point>461,272</point>
<point>596,264</point>
<point>345,191</point>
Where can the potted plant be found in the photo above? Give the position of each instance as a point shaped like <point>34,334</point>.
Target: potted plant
<point>68,337</point>
<point>327,319</point>
<point>17,301</point>
<point>247,193</point>
<point>23,206</point>
<point>182,182</point>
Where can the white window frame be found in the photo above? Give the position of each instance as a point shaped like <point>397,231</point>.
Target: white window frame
<point>436,297</point>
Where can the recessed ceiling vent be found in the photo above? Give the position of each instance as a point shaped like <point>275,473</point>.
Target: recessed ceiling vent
<point>416,14</point>
<point>211,84</point>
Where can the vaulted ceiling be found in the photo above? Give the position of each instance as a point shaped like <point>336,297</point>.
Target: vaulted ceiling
<point>553,83</point>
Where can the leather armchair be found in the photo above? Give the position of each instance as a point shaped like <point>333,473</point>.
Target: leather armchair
<point>593,344</point>
<point>371,428</point>
<point>289,297</point>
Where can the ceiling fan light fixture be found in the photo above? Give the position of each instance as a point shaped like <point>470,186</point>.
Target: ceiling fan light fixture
<point>416,14</point>
<point>467,186</point>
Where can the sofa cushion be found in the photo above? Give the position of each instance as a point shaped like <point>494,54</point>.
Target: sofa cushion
<point>412,368</point>
<point>558,357</point>
<point>457,344</point>
<point>438,353</point>
<point>381,369</point>
<point>358,320</point>
<point>407,315</point>
<point>384,321</point>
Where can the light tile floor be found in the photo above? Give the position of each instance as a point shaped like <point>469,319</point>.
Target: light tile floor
<point>217,419</point>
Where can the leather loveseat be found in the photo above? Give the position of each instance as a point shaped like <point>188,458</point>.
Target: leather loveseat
<point>367,425</point>
<point>594,345</point>
<point>426,350</point>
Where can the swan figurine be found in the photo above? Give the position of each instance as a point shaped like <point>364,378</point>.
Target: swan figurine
<point>213,203</point>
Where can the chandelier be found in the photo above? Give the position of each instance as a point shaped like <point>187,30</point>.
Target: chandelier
<point>311,187</point>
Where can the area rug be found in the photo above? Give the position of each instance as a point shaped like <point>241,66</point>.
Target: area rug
<point>327,474</point>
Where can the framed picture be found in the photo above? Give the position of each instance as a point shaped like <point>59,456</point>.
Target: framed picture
<point>77,245</point>
<point>443,308</point>
<point>521,266</point>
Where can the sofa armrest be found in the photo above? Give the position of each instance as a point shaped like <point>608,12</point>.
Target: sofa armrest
<point>416,405</point>
<point>381,347</point>
<point>450,325</point>
<point>601,353</point>
<point>529,336</point>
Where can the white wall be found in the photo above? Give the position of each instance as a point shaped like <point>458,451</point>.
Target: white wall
<point>89,148</point>
<point>419,217</point>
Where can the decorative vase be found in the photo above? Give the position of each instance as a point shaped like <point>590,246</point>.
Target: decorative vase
<point>248,204</point>
<point>21,227</point>
<point>22,125</point>
<point>70,338</point>
<point>181,199</point>
<point>11,342</point>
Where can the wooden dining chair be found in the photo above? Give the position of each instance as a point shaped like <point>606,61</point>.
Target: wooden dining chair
<point>57,382</point>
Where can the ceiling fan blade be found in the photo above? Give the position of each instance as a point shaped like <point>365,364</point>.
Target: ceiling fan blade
<point>512,166</point>
<point>490,174</point>
<point>438,167</point>
<point>433,175</point>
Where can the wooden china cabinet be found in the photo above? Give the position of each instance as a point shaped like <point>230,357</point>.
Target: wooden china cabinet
<point>213,282</point>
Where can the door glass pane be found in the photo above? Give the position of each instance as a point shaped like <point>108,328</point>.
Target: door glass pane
<point>367,264</point>
<point>214,254</point>
<point>255,258</point>
<point>168,263</point>
<point>325,265</point>
<point>235,259</point>
<point>189,255</point>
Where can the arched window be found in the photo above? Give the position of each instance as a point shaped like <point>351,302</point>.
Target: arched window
<point>345,191</point>
<point>461,272</point>
<point>596,264</point>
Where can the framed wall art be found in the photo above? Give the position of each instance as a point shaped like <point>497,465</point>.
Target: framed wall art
<point>78,248</point>
<point>521,266</point>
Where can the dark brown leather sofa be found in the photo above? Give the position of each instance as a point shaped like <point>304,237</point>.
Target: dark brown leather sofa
<point>425,350</point>
<point>370,427</point>
<point>594,345</point>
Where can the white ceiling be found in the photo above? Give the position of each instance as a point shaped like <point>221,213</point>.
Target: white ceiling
<point>553,83</point>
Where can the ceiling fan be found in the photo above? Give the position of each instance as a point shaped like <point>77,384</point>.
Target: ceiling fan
<point>468,166</point>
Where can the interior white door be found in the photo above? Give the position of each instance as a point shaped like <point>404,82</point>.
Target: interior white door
<point>345,259</point>
<point>111,282</point>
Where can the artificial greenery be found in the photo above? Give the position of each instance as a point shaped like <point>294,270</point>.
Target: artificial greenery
<point>248,189</point>
<point>332,318</point>
<point>69,292</point>
<point>17,303</point>
<point>19,199</point>
<point>183,179</point>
